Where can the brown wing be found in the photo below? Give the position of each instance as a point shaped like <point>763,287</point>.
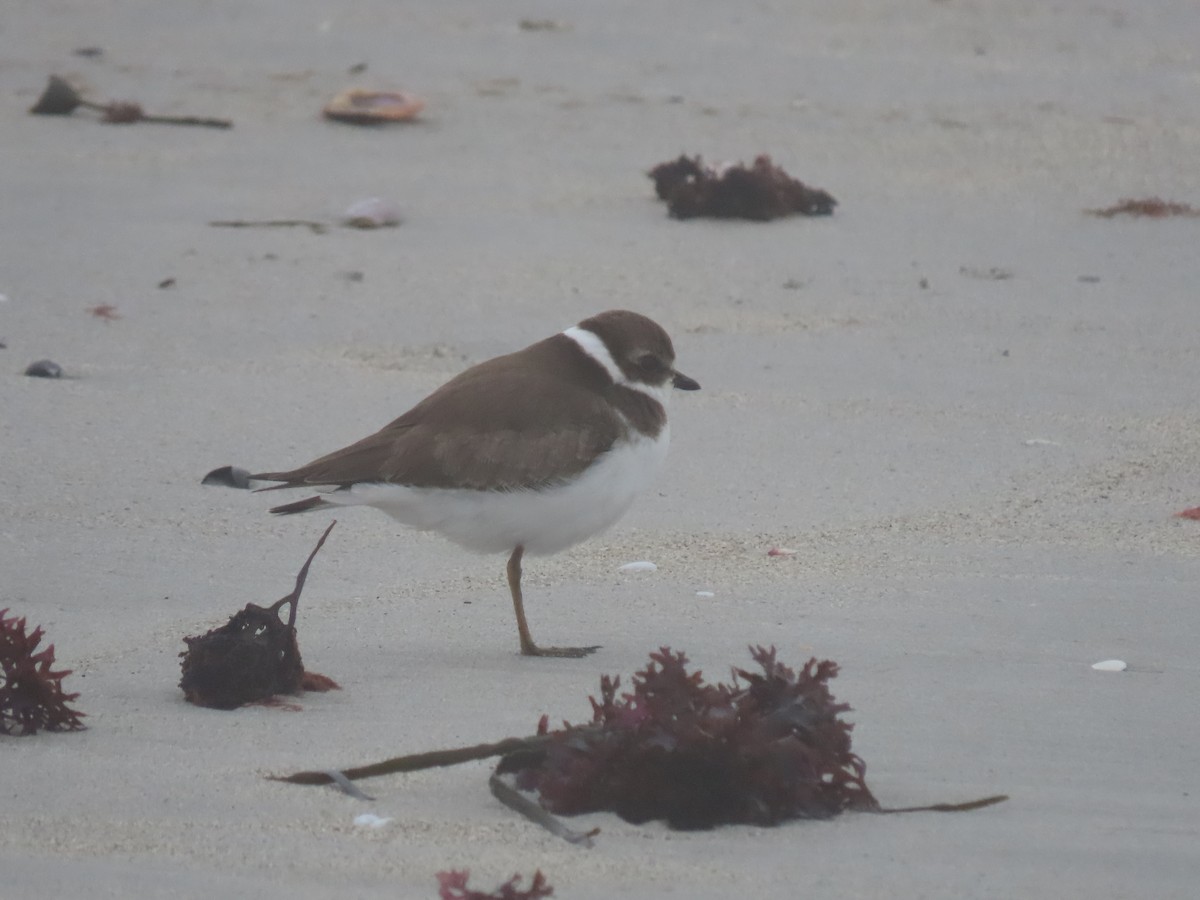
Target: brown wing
<point>531,431</point>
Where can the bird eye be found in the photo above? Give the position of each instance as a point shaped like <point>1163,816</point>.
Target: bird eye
<point>650,364</point>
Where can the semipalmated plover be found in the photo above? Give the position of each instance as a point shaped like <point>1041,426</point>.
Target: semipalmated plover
<point>525,453</point>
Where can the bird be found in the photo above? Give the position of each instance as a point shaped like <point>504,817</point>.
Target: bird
<point>527,453</point>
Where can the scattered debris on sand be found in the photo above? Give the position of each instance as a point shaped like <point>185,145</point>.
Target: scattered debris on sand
<point>452,885</point>
<point>760,192</point>
<point>61,99</point>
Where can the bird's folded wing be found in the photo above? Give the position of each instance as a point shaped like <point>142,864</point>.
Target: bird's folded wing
<point>533,433</point>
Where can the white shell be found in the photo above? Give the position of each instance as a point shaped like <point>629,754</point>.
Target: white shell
<point>373,212</point>
<point>370,820</point>
<point>643,565</point>
<point>1110,665</point>
<point>705,594</point>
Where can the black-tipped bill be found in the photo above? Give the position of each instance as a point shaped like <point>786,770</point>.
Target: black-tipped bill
<point>683,383</point>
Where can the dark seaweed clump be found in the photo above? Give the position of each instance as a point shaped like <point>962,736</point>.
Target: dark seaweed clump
<point>32,698</point>
<point>767,747</point>
<point>760,192</point>
<point>253,657</point>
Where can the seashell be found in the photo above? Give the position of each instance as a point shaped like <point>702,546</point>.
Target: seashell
<point>643,565</point>
<point>362,107</point>
<point>705,594</point>
<point>373,212</point>
<point>1110,665</point>
<point>44,368</point>
<point>782,551</point>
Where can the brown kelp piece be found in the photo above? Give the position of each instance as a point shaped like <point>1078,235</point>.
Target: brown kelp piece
<point>766,748</point>
<point>61,99</point>
<point>760,192</point>
<point>452,885</point>
<point>32,698</point>
<point>253,656</point>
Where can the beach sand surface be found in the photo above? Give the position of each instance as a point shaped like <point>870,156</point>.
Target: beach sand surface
<point>968,406</point>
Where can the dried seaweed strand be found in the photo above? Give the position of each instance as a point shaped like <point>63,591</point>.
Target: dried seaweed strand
<point>294,597</point>
<point>534,812</point>
<point>415,762</point>
<point>127,113</point>
<point>947,807</point>
<point>314,227</point>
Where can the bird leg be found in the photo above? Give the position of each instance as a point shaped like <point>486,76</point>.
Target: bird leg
<point>528,647</point>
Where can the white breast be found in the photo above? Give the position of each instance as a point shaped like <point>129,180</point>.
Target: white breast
<point>544,521</point>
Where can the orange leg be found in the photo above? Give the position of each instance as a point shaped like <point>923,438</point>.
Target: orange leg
<point>528,647</point>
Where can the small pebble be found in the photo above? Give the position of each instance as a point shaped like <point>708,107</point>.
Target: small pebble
<point>639,566</point>
<point>44,368</point>
<point>705,594</point>
<point>228,476</point>
<point>782,551</point>
<point>370,820</point>
<point>1110,665</point>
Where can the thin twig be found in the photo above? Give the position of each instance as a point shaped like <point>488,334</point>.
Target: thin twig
<point>294,597</point>
<point>315,227</point>
<point>203,121</point>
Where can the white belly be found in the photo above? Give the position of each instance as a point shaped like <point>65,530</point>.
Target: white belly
<point>544,521</point>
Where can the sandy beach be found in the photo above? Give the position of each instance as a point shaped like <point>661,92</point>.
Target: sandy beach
<point>969,407</point>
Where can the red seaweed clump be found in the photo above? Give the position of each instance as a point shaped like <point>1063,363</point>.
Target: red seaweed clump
<point>32,698</point>
<point>760,192</point>
<point>452,885</point>
<point>766,748</point>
